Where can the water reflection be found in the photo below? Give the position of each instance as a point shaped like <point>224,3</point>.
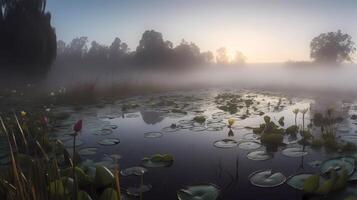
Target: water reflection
<point>151,117</point>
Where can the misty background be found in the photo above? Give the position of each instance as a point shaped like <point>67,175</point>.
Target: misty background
<point>285,45</point>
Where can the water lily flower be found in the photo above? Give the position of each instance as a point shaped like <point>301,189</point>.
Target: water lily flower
<point>23,113</point>
<point>45,121</point>
<point>78,126</point>
<point>231,122</point>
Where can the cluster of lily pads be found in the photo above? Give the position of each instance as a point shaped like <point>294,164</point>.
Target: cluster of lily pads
<point>333,179</point>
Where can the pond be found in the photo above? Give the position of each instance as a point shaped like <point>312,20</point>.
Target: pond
<point>193,128</point>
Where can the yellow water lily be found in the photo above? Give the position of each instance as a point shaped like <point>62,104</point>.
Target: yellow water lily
<point>231,122</point>
<point>23,113</point>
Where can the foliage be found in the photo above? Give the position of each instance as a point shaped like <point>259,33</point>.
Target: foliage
<point>28,41</point>
<point>152,52</point>
<point>332,47</point>
<point>199,119</point>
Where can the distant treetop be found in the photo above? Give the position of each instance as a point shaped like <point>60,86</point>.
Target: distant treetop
<point>332,47</point>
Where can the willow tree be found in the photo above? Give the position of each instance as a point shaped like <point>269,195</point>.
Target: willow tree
<point>28,41</point>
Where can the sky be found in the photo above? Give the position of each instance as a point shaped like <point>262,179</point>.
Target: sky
<point>264,31</point>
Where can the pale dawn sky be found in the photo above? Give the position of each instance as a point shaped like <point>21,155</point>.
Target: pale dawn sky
<point>264,30</point>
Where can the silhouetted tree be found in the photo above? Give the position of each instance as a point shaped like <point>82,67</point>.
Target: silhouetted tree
<point>77,49</point>
<point>332,47</point>
<point>118,52</point>
<point>98,53</point>
<point>153,50</point>
<point>28,41</point>
<point>187,53</point>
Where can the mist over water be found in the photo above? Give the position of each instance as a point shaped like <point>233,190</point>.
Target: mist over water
<point>315,79</point>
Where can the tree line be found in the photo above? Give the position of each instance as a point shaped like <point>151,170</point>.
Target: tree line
<point>152,51</point>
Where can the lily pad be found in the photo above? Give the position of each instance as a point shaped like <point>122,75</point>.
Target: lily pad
<point>136,191</point>
<point>225,143</point>
<point>170,129</point>
<point>199,192</point>
<point>153,134</point>
<point>217,125</point>
<point>197,128</point>
<point>298,181</point>
<point>259,155</point>
<point>251,136</point>
<point>109,141</point>
<point>338,164</point>
<point>249,145</point>
<point>267,178</point>
<point>294,152</point>
<point>88,151</point>
<point>105,131</point>
<point>137,171</point>
<point>158,160</point>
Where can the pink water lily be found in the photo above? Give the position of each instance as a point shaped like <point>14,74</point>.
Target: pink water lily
<point>44,120</point>
<point>78,126</point>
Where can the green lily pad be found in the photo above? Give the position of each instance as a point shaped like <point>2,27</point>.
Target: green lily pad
<point>259,155</point>
<point>298,181</point>
<point>153,135</point>
<point>266,178</point>
<point>136,191</point>
<point>158,160</point>
<point>294,152</point>
<point>199,192</point>
<point>137,171</point>
<point>338,164</point>
<point>225,143</point>
<point>109,141</point>
<point>88,151</point>
<point>249,145</point>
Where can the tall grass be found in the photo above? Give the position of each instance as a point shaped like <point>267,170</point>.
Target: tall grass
<point>36,172</point>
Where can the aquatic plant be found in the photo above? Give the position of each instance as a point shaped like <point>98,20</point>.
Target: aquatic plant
<point>201,192</point>
<point>40,173</point>
<point>296,112</point>
<point>281,121</point>
<point>158,160</point>
<point>199,119</point>
<point>303,111</point>
<point>231,122</point>
<point>292,130</point>
<point>267,178</point>
<point>77,129</point>
<point>336,182</point>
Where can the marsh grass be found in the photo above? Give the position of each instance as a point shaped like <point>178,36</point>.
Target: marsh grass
<point>37,172</point>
